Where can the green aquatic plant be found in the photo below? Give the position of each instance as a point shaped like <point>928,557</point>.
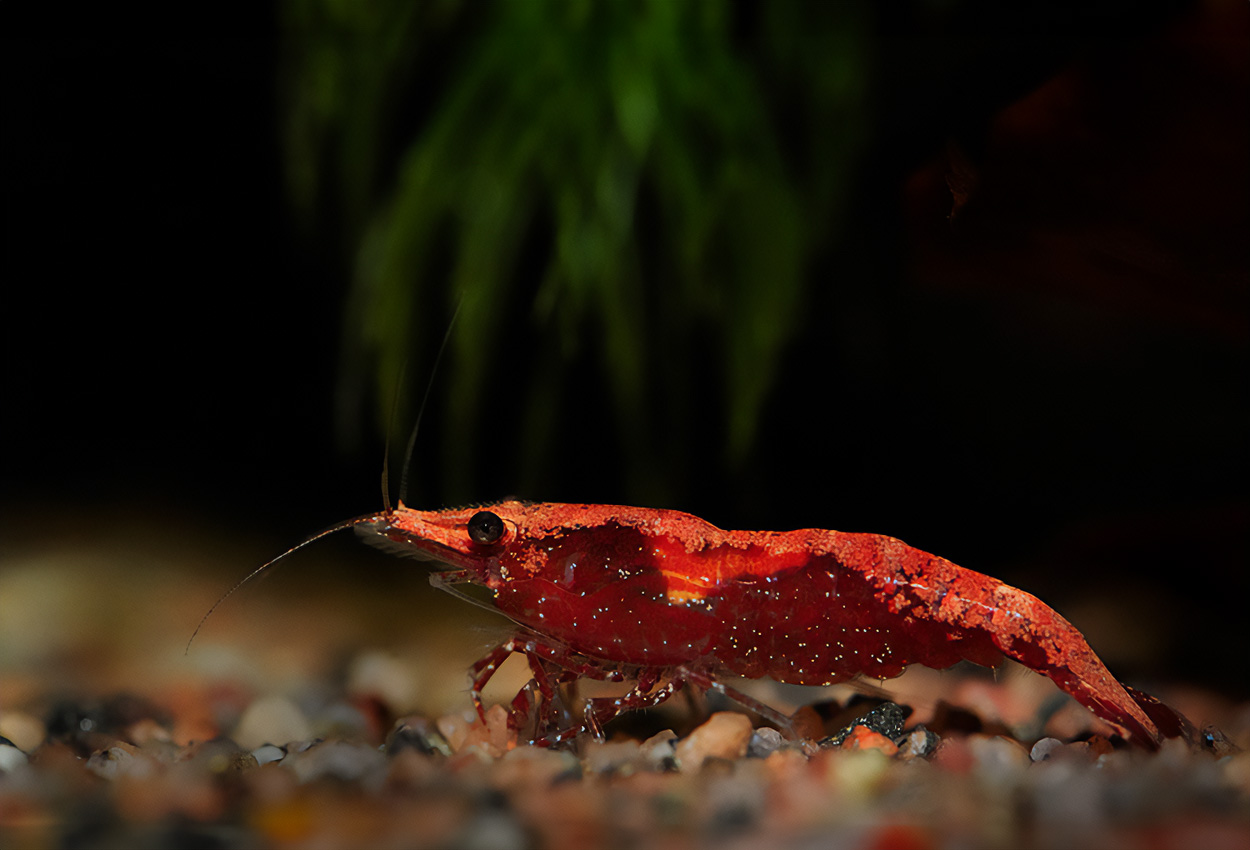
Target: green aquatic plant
<point>627,178</point>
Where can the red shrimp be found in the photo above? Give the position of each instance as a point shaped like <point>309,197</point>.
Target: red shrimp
<point>660,596</point>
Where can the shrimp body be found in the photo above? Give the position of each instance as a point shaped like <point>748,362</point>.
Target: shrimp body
<point>618,592</point>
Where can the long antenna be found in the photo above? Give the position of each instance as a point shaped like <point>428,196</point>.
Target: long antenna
<point>338,526</point>
<point>412,438</point>
<point>386,446</point>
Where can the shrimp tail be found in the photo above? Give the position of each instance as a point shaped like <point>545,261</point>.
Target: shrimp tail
<point>1030,631</point>
<point>976,615</point>
<point>1171,723</point>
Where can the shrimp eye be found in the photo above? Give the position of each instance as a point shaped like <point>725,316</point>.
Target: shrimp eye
<point>485,528</point>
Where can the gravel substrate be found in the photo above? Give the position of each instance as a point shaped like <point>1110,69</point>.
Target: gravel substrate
<point>114,773</point>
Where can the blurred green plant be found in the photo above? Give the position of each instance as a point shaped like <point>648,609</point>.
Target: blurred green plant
<point>634,171</point>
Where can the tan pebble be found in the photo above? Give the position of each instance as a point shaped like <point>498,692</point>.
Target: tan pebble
<point>163,751</point>
<point>715,766</point>
<point>271,720</point>
<point>385,676</point>
<point>726,735</point>
<point>529,767</point>
<point>500,735</point>
<point>612,756</point>
<point>26,732</point>
<point>146,731</point>
<point>188,730</point>
<point>478,740</point>
<point>493,736</point>
<point>454,728</point>
<point>218,756</point>
<point>472,758</point>
<point>786,764</point>
<point>119,760</point>
<point>660,746</point>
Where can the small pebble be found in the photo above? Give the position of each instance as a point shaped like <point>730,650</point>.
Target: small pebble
<point>271,720</point>
<point>455,728</point>
<point>220,755</point>
<point>660,750</point>
<point>620,757</point>
<point>886,720</point>
<point>1043,749</point>
<point>338,760</point>
<point>146,730</point>
<point>918,743</point>
<point>385,676</point>
<point>11,758</point>
<point>23,730</point>
<point>119,760</point>
<point>725,734</point>
<point>268,753</point>
<point>532,767</point>
<point>1052,748</point>
<point>1099,746</point>
<point>997,757</point>
<point>764,742</point>
<point>863,738</point>
<point>416,733</point>
<point>161,750</point>
<point>493,738</point>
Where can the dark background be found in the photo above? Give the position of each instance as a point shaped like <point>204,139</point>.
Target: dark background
<point>1048,385</point>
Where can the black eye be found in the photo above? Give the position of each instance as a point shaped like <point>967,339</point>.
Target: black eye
<point>485,528</point>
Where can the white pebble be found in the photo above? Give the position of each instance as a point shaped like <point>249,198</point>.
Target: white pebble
<point>11,758</point>
<point>268,753</point>
<point>1044,748</point>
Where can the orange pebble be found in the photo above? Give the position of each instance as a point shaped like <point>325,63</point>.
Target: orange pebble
<point>863,738</point>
